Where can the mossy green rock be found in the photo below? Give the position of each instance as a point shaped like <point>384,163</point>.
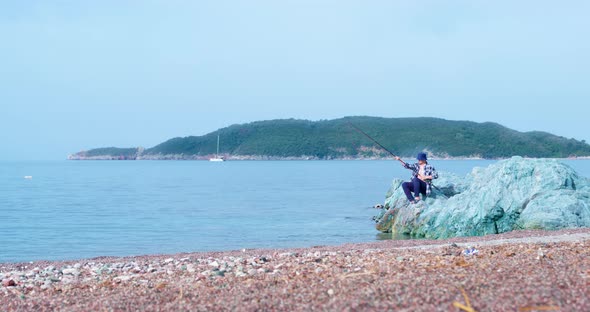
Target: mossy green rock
<point>512,194</point>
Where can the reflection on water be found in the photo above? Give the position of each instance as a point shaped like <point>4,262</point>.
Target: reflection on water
<point>395,236</point>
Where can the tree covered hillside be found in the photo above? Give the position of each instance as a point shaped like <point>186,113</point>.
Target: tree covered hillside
<point>328,139</point>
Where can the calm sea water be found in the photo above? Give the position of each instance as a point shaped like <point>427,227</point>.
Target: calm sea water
<point>81,209</point>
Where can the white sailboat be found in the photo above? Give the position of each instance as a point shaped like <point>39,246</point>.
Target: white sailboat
<point>217,158</point>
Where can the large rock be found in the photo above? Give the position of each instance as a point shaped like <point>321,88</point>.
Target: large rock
<point>512,194</point>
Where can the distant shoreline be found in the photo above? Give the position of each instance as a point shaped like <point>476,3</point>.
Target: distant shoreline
<point>342,138</point>
<point>304,158</point>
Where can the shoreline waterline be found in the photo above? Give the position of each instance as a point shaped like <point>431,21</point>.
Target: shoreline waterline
<point>418,275</point>
<point>399,243</point>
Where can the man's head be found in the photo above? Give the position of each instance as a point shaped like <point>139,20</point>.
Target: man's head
<point>421,157</point>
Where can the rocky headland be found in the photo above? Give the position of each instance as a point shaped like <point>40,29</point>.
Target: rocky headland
<point>513,194</point>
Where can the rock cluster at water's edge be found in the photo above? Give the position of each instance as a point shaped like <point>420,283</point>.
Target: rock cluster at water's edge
<point>512,194</point>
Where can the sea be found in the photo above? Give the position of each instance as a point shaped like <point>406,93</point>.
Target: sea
<point>65,210</point>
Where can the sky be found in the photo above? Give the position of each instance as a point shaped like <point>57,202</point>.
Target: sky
<point>76,75</point>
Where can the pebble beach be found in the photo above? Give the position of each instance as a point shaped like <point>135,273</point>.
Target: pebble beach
<point>516,271</point>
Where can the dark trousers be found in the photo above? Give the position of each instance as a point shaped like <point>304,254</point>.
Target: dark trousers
<point>416,186</point>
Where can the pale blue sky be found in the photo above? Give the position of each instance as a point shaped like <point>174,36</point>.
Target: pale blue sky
<point>82,74</point>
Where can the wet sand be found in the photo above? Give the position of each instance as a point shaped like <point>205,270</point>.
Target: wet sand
<point>517,271</point>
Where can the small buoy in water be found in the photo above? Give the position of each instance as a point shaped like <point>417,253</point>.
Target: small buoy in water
<point>28,177</point>
<point>378,206</point>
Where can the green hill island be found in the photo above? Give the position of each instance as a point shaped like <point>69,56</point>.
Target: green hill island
<point>287,139</point>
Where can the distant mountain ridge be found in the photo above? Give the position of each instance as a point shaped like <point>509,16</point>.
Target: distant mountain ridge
<point>336,139</point>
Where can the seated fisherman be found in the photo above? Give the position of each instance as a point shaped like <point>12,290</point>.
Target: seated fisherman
<point>422,176</point>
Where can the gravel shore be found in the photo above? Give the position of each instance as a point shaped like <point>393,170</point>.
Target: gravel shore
<point>517,271</point>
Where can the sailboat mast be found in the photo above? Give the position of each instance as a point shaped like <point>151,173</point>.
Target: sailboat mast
<point>217,145</point>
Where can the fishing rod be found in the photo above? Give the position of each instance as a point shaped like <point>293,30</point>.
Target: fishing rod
<point>370,138</point>
<point>390,152</point>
